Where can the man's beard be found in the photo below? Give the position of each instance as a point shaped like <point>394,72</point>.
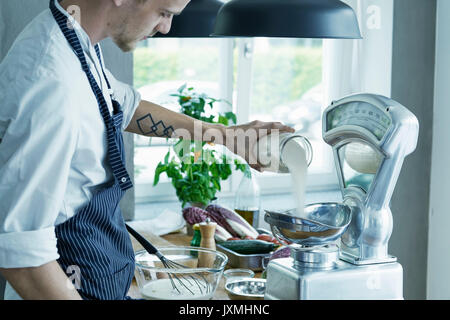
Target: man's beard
<point>126,45</point>
<point>123,39</point>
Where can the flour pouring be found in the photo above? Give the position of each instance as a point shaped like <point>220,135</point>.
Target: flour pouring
<point>287,153</point>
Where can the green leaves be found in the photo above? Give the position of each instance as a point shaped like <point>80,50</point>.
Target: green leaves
<point>225,119</point>
<point>196,169</point>
<point>159,169</point>
<point>199,181</point>
<point>231,116</point>
<point>243,167</point>
<point>193,104</point>
<point>166,158</point>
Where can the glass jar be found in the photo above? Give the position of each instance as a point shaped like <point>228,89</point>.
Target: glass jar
<point>269,150</point>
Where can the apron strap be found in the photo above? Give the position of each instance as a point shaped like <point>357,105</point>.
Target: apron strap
<point>115,159</point>
<point>115,104</point>
<point>97,51</point>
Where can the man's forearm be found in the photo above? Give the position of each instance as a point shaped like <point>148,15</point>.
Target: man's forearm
<point>153,120</point>
<point>47,282</point>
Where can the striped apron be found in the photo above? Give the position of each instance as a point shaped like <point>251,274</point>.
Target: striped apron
<point>95,241</point>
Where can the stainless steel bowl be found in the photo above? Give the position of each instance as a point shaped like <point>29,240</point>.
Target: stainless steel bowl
<point>246,289</point>
<point>320,223</point>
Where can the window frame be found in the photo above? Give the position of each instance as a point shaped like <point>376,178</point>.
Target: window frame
<point>269,184</point>
<point>325,180</point>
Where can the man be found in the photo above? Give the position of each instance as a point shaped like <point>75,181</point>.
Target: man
<point>62,172</point>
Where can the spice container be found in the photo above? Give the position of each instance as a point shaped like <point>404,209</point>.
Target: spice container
<point>207,230</point>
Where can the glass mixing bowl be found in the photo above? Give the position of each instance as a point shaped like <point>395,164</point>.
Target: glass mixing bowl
<point>157,282</point>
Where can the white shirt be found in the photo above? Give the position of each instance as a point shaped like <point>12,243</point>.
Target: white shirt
<point>53,150</point>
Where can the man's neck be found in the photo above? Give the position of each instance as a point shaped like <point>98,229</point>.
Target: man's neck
<point>91,15</point>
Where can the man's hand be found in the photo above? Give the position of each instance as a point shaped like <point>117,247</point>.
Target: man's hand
<point>242,139</point>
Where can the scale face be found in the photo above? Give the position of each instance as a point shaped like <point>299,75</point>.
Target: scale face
<point>360,115</point>
<point>361,128</point>
<point>360,156</point>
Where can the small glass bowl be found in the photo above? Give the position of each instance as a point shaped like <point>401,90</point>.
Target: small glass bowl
<point>235,274</point>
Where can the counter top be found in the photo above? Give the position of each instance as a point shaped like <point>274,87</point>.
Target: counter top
<point>179,238</point>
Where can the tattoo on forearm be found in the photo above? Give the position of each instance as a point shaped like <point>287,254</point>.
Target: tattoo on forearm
<point>148,127</point>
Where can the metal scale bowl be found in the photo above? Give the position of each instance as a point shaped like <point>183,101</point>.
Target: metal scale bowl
<point>312,236</point>
<point>322,223</point>
<point>340,250</point>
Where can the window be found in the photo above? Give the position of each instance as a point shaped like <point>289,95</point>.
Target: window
<point>160,67</point>
<point>265,79</point>
<point>286,85</point>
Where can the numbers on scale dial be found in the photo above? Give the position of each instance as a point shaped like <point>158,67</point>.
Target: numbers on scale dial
<point>360,114</point>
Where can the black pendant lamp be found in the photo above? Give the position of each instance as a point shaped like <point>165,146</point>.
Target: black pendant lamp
<point>196,20</point>
<point>287,18</point>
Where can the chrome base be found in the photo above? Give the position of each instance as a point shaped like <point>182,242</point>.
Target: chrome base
<point>357,261</point>
<point>344,281</point>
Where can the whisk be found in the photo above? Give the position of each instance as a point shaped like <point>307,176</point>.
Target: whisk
<point>185,281</point>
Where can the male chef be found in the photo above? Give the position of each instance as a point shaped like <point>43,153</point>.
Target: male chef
<point>62,170</point>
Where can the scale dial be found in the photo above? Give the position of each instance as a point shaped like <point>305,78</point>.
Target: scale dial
<point>360,114</point>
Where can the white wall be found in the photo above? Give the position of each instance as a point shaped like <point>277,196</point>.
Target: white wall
<point>413,64</point>
<point>438,273</point>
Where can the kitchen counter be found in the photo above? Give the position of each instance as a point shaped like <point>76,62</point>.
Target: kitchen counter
<point>179,238</point>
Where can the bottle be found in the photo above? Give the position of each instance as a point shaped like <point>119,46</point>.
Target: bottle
<point>269,150</point>
<point>196,239</point>
<point>247,201</point>
<point>207,230</point>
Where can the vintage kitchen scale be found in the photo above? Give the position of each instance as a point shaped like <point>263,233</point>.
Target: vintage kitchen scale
<point>340,250</point>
